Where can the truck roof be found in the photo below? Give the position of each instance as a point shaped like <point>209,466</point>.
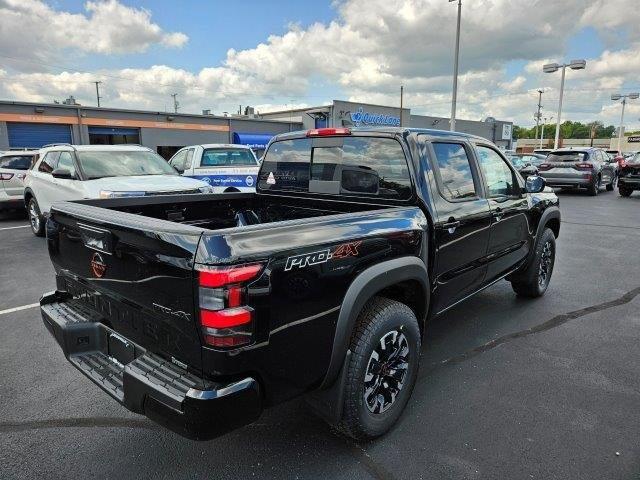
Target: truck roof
<point>394,130</point>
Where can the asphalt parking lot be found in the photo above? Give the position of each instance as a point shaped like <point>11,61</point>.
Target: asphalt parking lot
<point>509,388</point>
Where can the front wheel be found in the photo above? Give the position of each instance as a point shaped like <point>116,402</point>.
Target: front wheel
<point>612,185</point>
<point>382,369</point>
<point>533,281</point>
<point>35,218</point>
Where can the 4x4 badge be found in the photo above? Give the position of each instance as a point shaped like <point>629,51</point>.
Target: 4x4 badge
<point>98,267</point>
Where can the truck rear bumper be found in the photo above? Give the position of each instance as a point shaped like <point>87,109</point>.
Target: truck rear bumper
<point>146,383</point>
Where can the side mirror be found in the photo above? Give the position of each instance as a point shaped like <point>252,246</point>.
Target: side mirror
<point>535,184</point>
<point>62,173</point>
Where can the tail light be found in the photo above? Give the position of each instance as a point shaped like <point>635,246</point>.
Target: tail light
<point>583,166</point>
<point>544,166</point>
<point>225,321</point>
<point>6,176</point>
<point>325,132</point>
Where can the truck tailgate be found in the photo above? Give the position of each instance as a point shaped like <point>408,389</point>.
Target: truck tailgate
<point>136,273</point>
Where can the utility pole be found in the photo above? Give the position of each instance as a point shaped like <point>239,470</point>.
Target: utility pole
<point>454,97</point>
<point>544,123</point>
<point>538,115</point>
<point>616,97</point>
<point>401,95</point>
<point>98,97</point>
<point>175,102</point>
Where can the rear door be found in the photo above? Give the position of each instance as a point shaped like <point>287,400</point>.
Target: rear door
<point>135,271</point>
<point>462,224</point>
<point>509,239</point>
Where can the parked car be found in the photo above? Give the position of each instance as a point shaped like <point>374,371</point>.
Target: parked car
<point>13,169</point>
<point>226,167</point>
<point>74,172</point>
<point>629,177</point>
<point>527,163</point>
<point>588,168</point>
<point>321,283</point>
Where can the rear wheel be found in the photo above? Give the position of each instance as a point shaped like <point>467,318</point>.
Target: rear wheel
<point>625,191</point>
<point>533,282</point>
<point>35,218</point>
<point>594,188</point>
<point>382,369</point>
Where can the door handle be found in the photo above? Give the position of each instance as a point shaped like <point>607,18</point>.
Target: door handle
<point>497,214</point>
<point>451,225</point>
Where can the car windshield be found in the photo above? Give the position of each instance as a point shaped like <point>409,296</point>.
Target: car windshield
<point>517,160</point>
<point>123,163</point>
<point>567,157</point>
<point>227,157</point>
<point>16,162</point>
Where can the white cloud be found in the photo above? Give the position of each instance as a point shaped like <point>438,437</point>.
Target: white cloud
<point>34,31</point>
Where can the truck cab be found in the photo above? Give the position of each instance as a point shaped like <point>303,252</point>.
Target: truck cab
<point>226,167</point>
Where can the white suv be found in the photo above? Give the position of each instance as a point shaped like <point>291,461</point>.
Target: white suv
<point>74,172</point>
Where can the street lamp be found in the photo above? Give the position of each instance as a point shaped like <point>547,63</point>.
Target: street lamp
<point>554,67</point>
<point>615,97</point>
<point>454,98</point>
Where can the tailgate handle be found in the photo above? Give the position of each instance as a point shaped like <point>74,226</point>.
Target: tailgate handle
<point>96,238</point>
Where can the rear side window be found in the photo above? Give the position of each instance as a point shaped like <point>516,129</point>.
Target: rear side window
<point>230,157</point>
<point>16,162</point>
<point>362,166</point>
<point>454,168</point>
<point>49,162</point>
<point>285,166</point>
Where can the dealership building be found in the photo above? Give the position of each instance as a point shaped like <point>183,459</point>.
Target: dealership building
<point>347,114</point>
<point>33,125</point>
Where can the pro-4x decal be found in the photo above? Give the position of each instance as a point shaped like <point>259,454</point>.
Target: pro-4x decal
<point>322,256</point>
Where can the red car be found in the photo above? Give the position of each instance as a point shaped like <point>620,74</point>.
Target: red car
<point>629,177</point>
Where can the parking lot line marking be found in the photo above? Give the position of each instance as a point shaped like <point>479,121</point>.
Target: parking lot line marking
<point>17,309</point>
<point>19,226</point>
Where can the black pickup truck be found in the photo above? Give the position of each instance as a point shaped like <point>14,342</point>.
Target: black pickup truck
<point>199,311</point>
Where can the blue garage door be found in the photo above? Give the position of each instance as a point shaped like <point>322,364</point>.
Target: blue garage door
<point>35,135</point>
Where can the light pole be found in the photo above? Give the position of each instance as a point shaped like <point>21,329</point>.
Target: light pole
<point>554,67</point>
<point>615,97</point>
<point>544,123</point>
<point>454,97</point>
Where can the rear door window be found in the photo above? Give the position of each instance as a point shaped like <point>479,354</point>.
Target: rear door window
<point>455,180</point>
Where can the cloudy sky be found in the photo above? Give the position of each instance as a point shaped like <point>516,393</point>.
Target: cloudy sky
<point>281,53</point>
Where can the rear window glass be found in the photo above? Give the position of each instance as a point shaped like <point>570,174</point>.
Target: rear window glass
<point>236,157</point>
<point>16,162</point>
<point>456,177</point>
<point>362,166</point>
<point>567,157</point>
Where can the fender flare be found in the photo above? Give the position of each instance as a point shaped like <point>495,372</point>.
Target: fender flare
<point>364,286</point>
<point>550,213</point>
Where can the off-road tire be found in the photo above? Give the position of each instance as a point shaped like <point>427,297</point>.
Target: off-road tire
<point>528,282</point>
<point>379,317</point>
